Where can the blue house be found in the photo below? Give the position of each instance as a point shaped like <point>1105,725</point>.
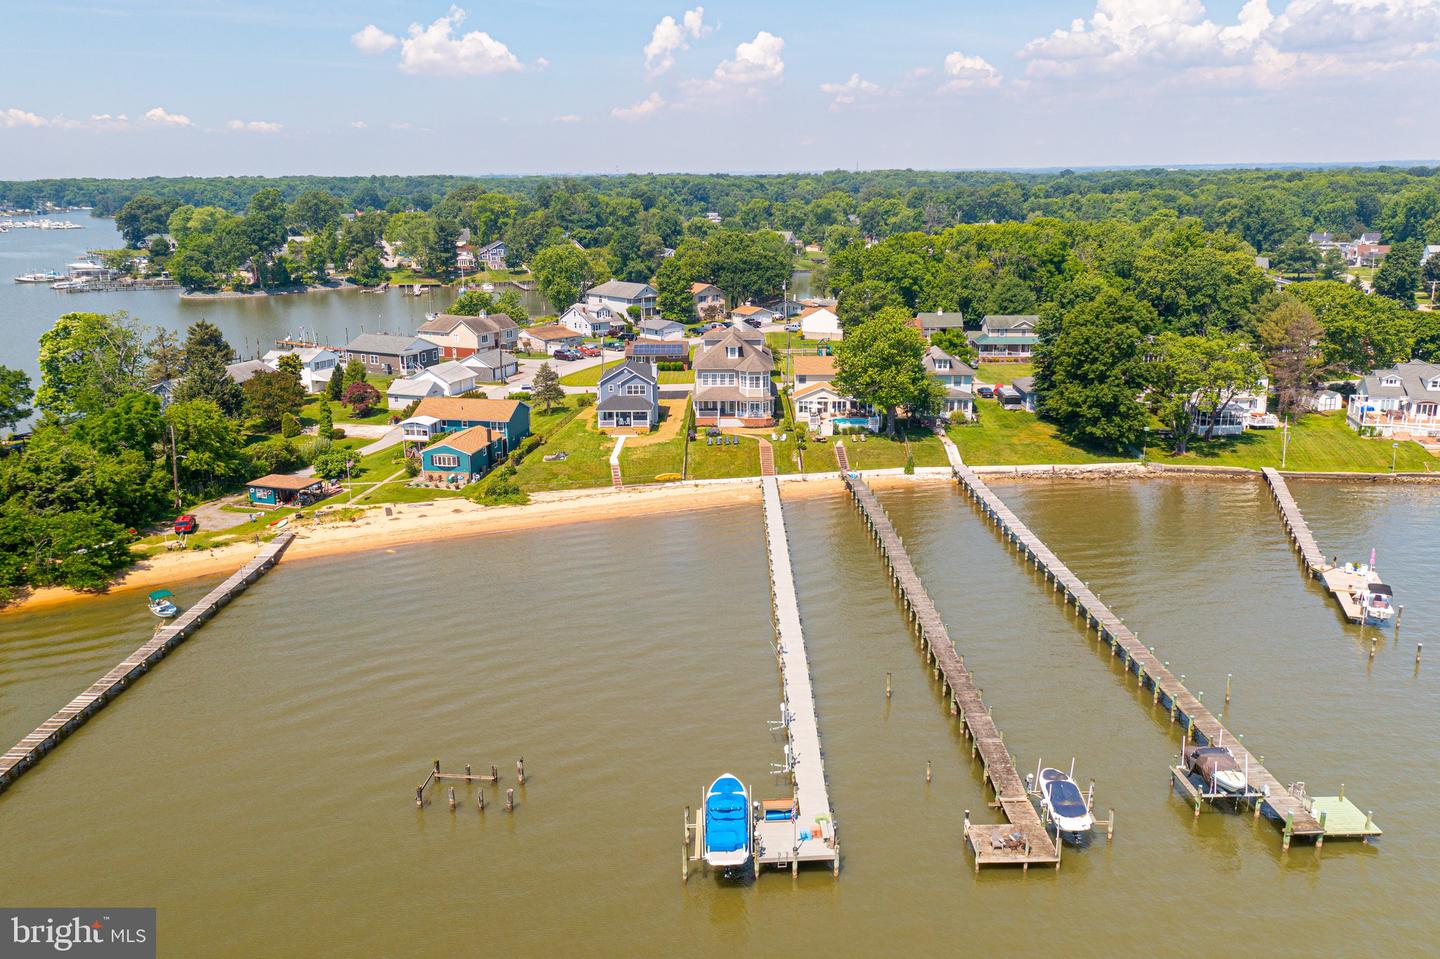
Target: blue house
<point>462,457</point>
<point>508,418</point>
<point>629,397</point>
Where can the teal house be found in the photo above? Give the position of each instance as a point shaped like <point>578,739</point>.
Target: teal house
<point>462,457</point>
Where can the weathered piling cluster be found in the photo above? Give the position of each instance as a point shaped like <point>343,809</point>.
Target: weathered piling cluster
<point>30,750</point>
<point>1186,709</point>
<point>1024,840</point>
<point>436,777</point>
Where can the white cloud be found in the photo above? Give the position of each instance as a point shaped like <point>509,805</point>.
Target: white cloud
<point>359,124</point>
<point>1177,39</point>
<point>566,118</point>
<point>254,126</point>
<point>756,61</point>
<point>163,116</point>
<point>15,117</point>
<point>436,49</point>
<point>371,39</point>
<point>844,94</point>
<point>644,108</point>
<point>670,36</point>
<point>963,72</point>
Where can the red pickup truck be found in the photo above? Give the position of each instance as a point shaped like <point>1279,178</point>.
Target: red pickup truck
<point>185,525</point>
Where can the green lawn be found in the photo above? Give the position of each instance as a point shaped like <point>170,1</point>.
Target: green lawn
<point>1319,442</point>
<point>641,464</point>
<point>544,423</point>
<point>785,454</point>
<point>400,491</point>
<point>340,413</point>
<point>879,452</point>
<point>780,342</point>
<point>1014,437</point>
<point>587,465</point>
<point>1003,372</point>
<point>591,376</point>
<point>724,462</point>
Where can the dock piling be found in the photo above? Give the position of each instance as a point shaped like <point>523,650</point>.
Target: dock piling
<point>520,770</point>
<point>509,800</point>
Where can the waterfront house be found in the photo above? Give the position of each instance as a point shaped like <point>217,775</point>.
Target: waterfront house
<point>317,365</point>
<point>825,409</point>
<point>463,457</point>
<point>1006,338</point>
<point>492,366</point>
<point>597,321</point>
<point>628,397</point>
<point>388,354</point>
<point>619,296</point>
<point>282,489</point>
<point>808,370</point>
<point>1402,399</point>
<point>420,429</point>
<point>752,312</point>
<point>958,378</point>
<point>465,259</point>
<point>707,297</point>
<point>460,336</point>
<point>658,351</point>
<point>820,323</point>
<point>493,255</point>
<point>931,323</point>
<point>1243,411</point>
<point>509,418</point>
<point>242,371</point>
<point>660,328</point>
<point>732,382</point>
<point>550,339</point>
<point>450,378</point>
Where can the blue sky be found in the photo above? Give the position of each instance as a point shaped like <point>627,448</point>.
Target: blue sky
<point>136,87</point>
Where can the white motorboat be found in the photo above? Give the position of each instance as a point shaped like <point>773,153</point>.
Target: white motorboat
<point>1064,802</point>
<point>49,276</point>
<point>1217,769</point>
<point>1378,603</point>
<point>162,604</point>
<point>727,823</point>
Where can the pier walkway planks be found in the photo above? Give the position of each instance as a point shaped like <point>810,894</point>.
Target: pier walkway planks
<point>1025,841</point>
<point>1199,722</point>
<point>1295,524</point>
<point>781,842</point>
<point>30,750</point>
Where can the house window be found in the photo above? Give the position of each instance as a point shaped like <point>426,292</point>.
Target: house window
<point>942,364</point>
<point>1391,381</point>
<point>374,360</point>
<point>732,351</point>
<point>444,461</point>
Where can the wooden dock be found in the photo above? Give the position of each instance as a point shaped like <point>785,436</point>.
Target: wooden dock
<point>1023,841</point>
<point>30,750</point>
<point>1199,724</point>
<point>810,836</point>
<point>1295,525</point>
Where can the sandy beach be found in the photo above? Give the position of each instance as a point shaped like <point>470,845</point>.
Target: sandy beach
<point>383,527</point>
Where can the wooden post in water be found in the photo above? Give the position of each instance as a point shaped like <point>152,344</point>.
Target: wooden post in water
<point>1110,827</point>
<point>1372,647</point>
<point>467,769</point>
<point>480,799</point>
<point>509,800</point>
<point>887,685</point>
<point>1289,828</point>
<point>1320,839</point>
<point>494,774</point>
<point>685,849</point>
<point>419,797</point>
<point>927,770</point>
<point>1227,689</point>
<point>452,798</point>
<point>520,770</point>
<point>1418,647</point>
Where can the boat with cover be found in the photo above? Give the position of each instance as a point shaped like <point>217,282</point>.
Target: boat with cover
<point>1377,601</point>
<point>162,603</point>
<point>1063,800</point>
<point>727,823</point>
<point>1217,768</point>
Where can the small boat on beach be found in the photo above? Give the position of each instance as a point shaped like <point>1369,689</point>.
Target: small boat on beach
<point>1217,769</point>
<point>162,604</point>
<point>1062,799</point>
<point>727,823</point>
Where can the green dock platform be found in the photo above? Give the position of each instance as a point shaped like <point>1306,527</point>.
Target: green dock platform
<point>1342,819</point>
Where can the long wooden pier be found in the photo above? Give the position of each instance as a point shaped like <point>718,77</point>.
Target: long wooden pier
<point>1024,841</point>
<point>1295,525</point>
<point>30,750</point>
<point>1199,723</point>
<point>810,835</point>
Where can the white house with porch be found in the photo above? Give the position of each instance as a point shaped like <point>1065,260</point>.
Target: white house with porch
<point>317,365</point>
<point>1404,399</point>
<point>1244,411</point>
<point>826,410</point>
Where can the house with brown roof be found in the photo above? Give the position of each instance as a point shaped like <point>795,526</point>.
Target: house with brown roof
<point>808,370</point>
<point>459,336</point>
<point>508,418</point>
<point>825,409</point>
<point>752,312</point>
<point>462,457</point>
<point>550,339</point>
<point>732,382</point>
<point>708,297</point>
<point>284,489</point>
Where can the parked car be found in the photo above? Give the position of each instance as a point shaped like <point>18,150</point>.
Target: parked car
<point>565,355</point>
<point>627,336</point>
<point>792,327</point>
<point>185,525</point>
<point>753,322</point>
<point>589,351</point>
<point>985,390</point>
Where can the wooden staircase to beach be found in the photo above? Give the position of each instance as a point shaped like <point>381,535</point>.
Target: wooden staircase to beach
<point>767,458</point>
<point>615,479</point>
<point>841,457</point>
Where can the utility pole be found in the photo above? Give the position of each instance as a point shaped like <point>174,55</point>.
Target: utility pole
<point>175,465</point>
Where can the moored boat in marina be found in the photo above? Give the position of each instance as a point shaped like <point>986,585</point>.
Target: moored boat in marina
<point>1217,769</point>
<point>727,830</point>
<point>1063,801</point>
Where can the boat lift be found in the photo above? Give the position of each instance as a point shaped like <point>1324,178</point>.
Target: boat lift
<point>1032,788</point>
<point>1194,788</point>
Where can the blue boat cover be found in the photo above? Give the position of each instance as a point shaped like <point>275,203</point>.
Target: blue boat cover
<point>725,817</point>
<point>1065,798</point>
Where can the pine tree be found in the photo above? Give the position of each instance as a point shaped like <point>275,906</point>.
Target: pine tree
<point>326,424</point>
<point>336,386</point>
<point>546,387</point>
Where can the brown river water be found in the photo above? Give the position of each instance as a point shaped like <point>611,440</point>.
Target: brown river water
<point>257,787</point>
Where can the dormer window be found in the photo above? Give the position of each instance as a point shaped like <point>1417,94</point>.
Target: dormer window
<point>942,364</point>
<point>733,352</point>
<point>1434,384</point>
<point>1391,381</point>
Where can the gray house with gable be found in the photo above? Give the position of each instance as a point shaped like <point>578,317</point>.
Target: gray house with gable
<point>629,397</point>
